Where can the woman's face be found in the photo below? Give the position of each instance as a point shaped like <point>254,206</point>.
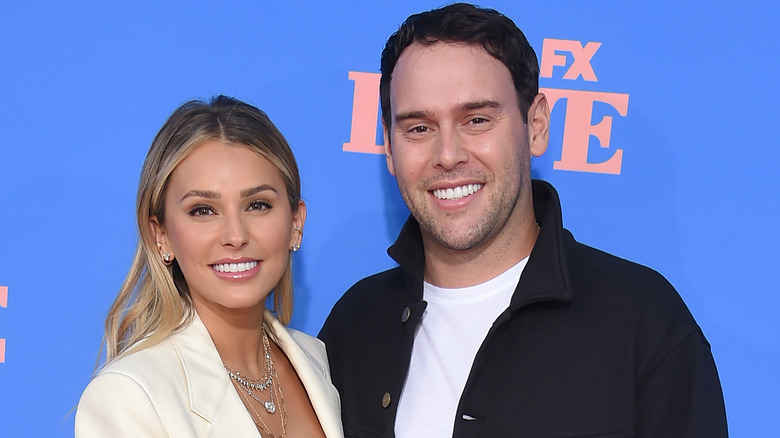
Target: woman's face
<point>229,225</point>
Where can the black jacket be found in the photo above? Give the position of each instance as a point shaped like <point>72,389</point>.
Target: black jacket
<point>590,346</point>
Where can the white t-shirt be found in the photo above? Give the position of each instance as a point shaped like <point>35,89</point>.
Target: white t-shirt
<point>452,329</point>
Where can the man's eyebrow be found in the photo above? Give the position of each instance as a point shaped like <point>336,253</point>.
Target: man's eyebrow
<point>466,106</point>
<point>400,117</point>
<point>470,106</point>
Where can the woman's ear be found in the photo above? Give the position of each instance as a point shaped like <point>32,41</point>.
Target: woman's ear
<point>163,248</point>
<point>299,220</point>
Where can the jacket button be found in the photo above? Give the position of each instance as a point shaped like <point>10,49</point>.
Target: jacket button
<point>386,400</point>
<point>405,314</point>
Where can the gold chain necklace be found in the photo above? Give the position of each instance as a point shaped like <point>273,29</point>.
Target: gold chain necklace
<point>261,425</point>
<point>268,380</point>
<point>264,382</point>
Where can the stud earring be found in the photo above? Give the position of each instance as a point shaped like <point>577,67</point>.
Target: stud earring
<point>159,245</point>
<point>166,258</point>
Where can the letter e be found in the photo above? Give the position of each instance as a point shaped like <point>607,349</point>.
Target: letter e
<point>578,129</point>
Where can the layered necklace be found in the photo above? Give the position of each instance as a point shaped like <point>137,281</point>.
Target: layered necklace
<point>253,389</point>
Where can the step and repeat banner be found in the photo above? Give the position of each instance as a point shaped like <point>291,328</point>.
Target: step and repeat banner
<point>664,148</point>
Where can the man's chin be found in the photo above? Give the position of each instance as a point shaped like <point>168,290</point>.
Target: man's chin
<point>456,238</point>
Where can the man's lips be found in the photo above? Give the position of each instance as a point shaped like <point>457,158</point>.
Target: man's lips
<point>458,192</point>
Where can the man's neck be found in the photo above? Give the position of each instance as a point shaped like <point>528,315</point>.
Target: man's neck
<point>445,267</point>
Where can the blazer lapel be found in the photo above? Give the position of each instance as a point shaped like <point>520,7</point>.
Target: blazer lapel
<point>314,375</point>
<point>211,395</point>
<point>213,398</point>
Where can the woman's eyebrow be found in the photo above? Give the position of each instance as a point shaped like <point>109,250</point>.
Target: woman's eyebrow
<point>208,194</point>
<point>257,189</point>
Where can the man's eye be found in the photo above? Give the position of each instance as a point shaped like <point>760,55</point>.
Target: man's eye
<point>478,120</point>
<point>419,129</point>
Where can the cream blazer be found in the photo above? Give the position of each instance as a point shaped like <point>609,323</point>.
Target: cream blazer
<point>179,388</point>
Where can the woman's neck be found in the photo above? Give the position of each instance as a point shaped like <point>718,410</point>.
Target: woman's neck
<point>237,335</point>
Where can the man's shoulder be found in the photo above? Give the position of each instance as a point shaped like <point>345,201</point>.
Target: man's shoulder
<point>375,288</point>
<point>588,257</point>
<point>594,264</point>
<point>627,286</point>
<point>369,300</point>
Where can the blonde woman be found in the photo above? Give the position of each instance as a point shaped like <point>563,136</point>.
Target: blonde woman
<point>190,348</point>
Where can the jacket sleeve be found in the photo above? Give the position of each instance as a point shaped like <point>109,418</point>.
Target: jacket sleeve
<point>680,395</point>
<point>115,405</point>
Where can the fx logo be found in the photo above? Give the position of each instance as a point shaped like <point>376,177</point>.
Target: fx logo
<point>3,305</point>
<point>578,128</point>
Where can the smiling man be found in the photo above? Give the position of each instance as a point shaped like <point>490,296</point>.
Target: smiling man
<point>497,323</point>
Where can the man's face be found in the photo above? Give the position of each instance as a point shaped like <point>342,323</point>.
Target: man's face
<point>458,145</point>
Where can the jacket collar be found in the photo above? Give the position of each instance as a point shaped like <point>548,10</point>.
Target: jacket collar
<point>313,374</point>
<point>544,278</point>
<point>207,381</point>
<point>212,396</point>
<point>210,393</point>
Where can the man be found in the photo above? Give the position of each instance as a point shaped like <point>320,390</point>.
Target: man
<point>497,322</point>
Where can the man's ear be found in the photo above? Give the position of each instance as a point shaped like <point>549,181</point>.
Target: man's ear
<point>539,125</point>
<point>388,149</point>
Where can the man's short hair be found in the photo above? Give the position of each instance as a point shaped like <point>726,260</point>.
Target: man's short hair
<point>467,24</point>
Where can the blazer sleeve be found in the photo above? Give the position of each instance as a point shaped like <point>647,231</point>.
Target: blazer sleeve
<point>116,405</point>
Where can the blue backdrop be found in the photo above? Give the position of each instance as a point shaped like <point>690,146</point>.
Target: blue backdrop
<point>664,150</point>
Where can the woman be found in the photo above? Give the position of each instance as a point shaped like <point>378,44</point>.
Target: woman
<point>191,350</point>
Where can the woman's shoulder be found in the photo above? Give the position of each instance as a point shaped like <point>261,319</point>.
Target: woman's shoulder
<point>145,366</point>
<point>144,390</point>
<point>145,374</point>
<point>135,376</point>
<point>308,342</point>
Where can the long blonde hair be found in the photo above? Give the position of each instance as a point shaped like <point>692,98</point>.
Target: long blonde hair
<point>154,300</point>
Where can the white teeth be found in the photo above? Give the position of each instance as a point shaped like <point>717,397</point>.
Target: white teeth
<point>234,267</point>
<point>457,192</point>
